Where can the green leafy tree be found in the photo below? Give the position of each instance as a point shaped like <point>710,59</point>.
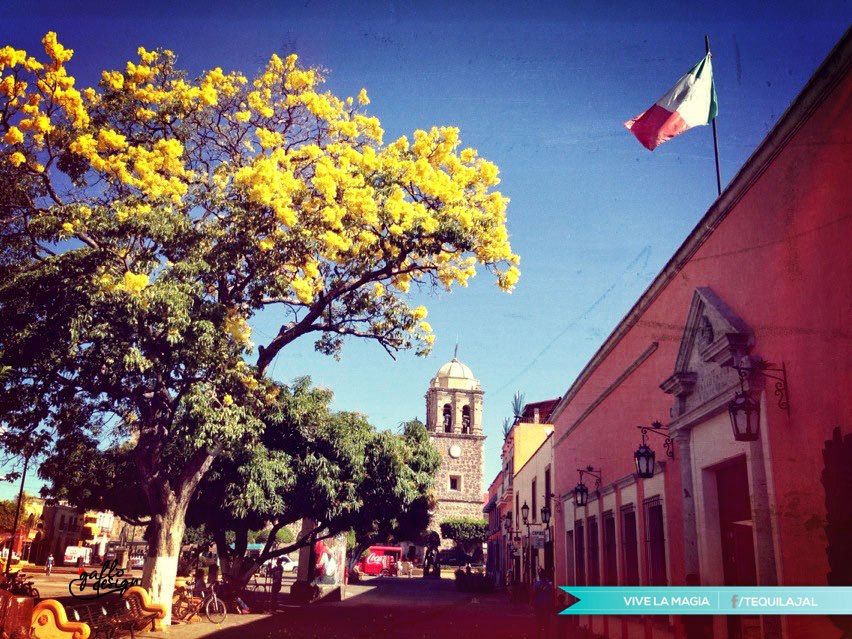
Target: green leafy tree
<point>398,492</point>
<point>467,532</point>
<point>7,514</point>
<point>282,537</point>
<point>143,223</point>
<point>311,463</point>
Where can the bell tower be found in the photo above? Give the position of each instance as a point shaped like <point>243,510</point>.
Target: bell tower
<point>454,421</point>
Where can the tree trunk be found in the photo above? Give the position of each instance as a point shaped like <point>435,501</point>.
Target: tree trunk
<point>168,501</point>
<point>165,534</point>
<point>237,570</point>
<point>355,555</point>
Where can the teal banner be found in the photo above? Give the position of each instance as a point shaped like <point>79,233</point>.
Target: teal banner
<point>728,600</point>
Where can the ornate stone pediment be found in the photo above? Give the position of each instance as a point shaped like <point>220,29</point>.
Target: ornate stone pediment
<point>713,339</point>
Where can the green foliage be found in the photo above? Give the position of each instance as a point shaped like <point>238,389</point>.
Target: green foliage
<point>332,468</point>
<point>7,514</point>
<point>507,426</point>
<point>282,537</point>
<point>351,543</point>
<point>518,404</point>
<point>101,479</point>
<point>197,536</point>
<point>465,530</point>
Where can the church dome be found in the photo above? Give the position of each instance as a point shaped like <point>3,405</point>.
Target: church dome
<point>454,374</point>
<point>455,368</point>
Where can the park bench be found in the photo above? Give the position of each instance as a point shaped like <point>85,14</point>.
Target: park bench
<point>19,619</point>
<point>129,613</point>
<point>104,618</point>
<point>49,621</point>
<point>145,611</point>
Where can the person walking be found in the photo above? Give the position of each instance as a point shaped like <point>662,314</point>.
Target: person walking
<point>542,602</point>
<point>48,565</point>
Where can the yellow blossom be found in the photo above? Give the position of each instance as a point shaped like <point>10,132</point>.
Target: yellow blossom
<point>227,400</point>
<point>56,51</point>
<point>268,139</point>
<point>237,327</point>
<point>135,283</point>
<point>303,290</point>
<point>113,79</point>
<point>362,97</point>
<point>17,158</point>
<point>419,313</point>
<point>13,136</point>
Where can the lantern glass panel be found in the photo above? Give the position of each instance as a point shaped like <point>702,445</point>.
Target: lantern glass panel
<point>545,515</point>
<point>581,494</point>
<point>525,512</point>
<point>645,461</point>
<point>745,418</point>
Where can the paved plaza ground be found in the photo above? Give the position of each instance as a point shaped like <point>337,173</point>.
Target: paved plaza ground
<point>380,608</point>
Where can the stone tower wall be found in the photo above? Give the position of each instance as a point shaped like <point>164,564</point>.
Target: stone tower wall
<point>466,502</point>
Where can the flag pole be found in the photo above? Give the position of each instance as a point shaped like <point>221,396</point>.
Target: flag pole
<point>715,135</point>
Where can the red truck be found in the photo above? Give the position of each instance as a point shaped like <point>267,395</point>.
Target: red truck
<point>380,560</point>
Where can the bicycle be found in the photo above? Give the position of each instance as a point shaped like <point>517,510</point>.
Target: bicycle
<point>18,584</point>
<point>228,593</point>
<point>185,606</point>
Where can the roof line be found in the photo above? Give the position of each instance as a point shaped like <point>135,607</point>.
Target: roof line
<point>821,83</point>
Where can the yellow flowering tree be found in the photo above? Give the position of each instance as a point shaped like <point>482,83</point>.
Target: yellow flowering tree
<point>145,221</point>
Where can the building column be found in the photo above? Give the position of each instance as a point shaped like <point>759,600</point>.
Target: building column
<point>690,530</point>
<point>764,545</point>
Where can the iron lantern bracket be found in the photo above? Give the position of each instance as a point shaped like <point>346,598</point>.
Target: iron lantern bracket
<point>663,431</point>
<point>594,472</point>
<point>770,371</point>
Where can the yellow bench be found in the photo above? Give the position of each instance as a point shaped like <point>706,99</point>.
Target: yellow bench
<point>49,621</point>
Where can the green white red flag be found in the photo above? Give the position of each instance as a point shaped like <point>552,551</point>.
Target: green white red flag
<point>690,102</point>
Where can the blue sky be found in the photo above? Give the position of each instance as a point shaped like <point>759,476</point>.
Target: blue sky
<point>541,89</point>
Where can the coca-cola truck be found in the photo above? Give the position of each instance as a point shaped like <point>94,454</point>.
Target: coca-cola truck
<point>380,560</point>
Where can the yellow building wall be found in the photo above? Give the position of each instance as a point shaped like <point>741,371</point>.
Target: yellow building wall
<point>528,437</point>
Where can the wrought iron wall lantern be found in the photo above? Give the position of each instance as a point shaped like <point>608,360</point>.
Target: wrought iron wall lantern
<point>645,457</point>
<point>745,411</point>
<point>507,526</point>
<point>581,491</point>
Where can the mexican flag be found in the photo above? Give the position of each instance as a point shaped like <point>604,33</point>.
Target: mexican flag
<point>691,102</point>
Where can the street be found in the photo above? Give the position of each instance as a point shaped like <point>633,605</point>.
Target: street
<point>384,607</point>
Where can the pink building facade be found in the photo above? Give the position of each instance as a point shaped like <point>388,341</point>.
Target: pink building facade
<point>764,285</point>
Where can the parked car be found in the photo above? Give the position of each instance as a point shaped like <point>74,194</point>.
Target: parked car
<point>289,565</point>
<point>77,556</point>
